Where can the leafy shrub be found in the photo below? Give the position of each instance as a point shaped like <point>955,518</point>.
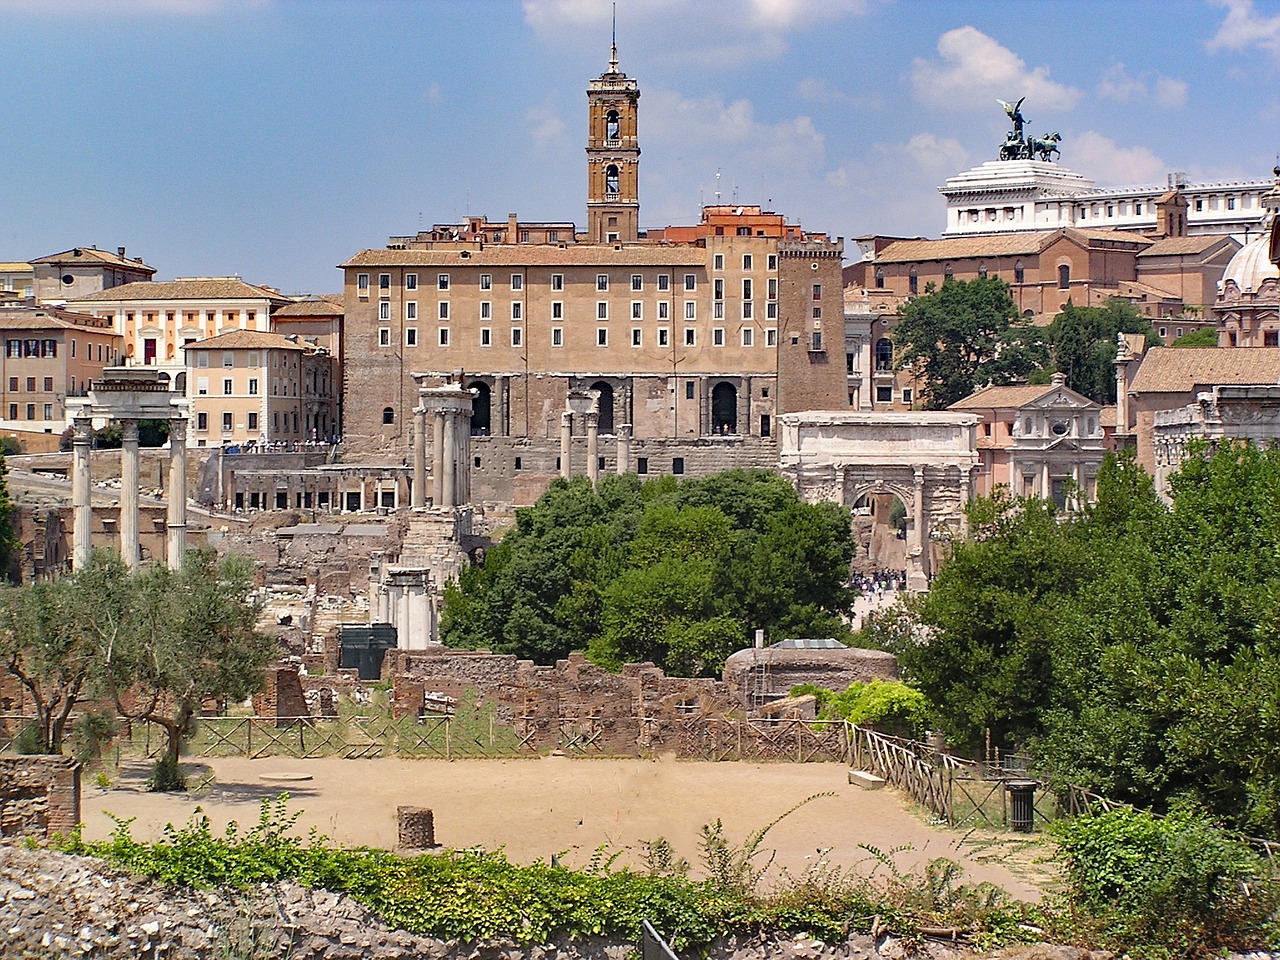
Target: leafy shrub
<point>1150,885</point>
<point>888,705</point>
<point>473,895</point>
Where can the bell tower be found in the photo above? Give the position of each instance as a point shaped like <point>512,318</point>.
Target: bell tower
<point>613,156</point>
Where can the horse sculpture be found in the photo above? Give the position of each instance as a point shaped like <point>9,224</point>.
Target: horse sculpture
<point>1046,147</point>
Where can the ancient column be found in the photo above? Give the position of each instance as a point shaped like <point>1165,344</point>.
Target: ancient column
<point>437,458</point>
<point>624,448</point>
<point>918,547</point>
<point>566,439</point>
<point>177,492</point>
<point>418,492</point>
<point>129,493</point>
<point>593,446</point>
<point>82,529</point>
<point>1046,487</point>
<point>449,494</point>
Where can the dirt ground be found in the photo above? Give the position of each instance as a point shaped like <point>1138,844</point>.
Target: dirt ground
<point>534,808</point>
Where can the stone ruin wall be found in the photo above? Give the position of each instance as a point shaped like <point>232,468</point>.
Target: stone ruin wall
<point>39,795</point>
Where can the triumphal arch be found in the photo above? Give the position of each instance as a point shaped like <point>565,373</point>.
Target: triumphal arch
<point>927,460</point>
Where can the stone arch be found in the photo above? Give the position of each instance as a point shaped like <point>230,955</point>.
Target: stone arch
<point>481,408</point>
<point>724,408</point>
<point>604,405</point>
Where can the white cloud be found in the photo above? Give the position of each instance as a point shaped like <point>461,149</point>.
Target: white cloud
<point>1111,164</point>
<point>545,125</point>
<point>973,70</point>
<point>1243,27</point>
<point>433,93</point>
<point>819,91</point>
<point>719,34</point>
<point>1117,84</point>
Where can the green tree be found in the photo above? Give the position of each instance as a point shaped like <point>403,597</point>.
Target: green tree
<point>960,336</point>
<point>8,538</point>
<point>1083,342</point>
<point>1207,337</point>
<point>44,646</point>
<point>172,641</point>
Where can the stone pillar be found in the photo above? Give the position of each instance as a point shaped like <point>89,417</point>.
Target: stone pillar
<point>81,496</point>
<point>449,495</point>
<point>593,447</point>
<point>437,458</point>
<point>918,548</point>
<point>418,492</point>
<point>129,493</point>
<point>624,448</point>
<point>566,441</point>
<point>177,492</point>
<point>1046,487</point>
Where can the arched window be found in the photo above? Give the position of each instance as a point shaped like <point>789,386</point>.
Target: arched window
<point>388,415</point>
<point>1019,274</point>
<point>611,178</point>
<point>724,409</point>
<point>982,270</point>
<point>947,273</point>
<point>879,278</point>
<point>884,354</point>
<point>913,281</point>
<point>480,408</point>
<point>611,125</point>
<point>1064,277</point>
<point>605,406</point>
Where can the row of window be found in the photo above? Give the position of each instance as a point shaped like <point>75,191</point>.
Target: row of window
<point>718,337</point>
<point>31,411</point>
<point>444,311</point>
<point>1019,276</point>
<point>485,281</point>
<point>748,261</point>
<point>31,384</point>
<point>251,421</point>
<point>281,361</point>
<point>17,349</point>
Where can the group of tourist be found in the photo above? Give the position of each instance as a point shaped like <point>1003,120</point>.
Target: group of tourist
<point>880,582</point>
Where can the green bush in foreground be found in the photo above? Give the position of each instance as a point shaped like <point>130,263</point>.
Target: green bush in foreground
<point>474,895</point>
<point>1172,886</point>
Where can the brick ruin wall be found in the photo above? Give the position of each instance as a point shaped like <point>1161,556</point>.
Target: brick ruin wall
<point>39,795</point>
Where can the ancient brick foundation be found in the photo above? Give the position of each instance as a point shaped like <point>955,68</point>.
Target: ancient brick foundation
<point>38,796</point>
<point>281,697</point>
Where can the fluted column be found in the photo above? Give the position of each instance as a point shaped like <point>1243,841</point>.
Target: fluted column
<point>449,494</point>
<point>177,492</point>
<point>80,492</point>
<point>593,446</point>
<point>566,440</point>
<point>418,492</point>
<point>129,493</point>
<point>624,448</point>
<point>437,458</point>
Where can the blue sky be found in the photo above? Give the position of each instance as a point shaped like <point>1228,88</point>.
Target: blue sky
<point>275,138</point>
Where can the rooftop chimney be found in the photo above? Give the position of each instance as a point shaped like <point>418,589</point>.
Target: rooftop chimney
<point>120,252</point>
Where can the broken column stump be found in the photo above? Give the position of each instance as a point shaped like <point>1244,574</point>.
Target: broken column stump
<point>417,828</point>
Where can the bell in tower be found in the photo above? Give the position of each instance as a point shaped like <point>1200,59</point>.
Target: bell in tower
<point>613,156</point>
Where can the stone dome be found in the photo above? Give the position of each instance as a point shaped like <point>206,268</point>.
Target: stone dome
<point>1251,266</point>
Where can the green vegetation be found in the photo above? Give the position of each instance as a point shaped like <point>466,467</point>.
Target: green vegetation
<point>889,706</point>
<point>1155,887</point>
<point>1083,343</point>
<point>1134,649</point>
<point>1207,337</point>
<point>472,895</point>
<point>155,643</point>
<point>962,335</point>
<point>677,572</point>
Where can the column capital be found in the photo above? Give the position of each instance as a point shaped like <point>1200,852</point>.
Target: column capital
<point>918,471</point>
<point>178,429</point>
<point>592,419</point>
<point>83,429</point>
<point>129,430</point>
<point>566,418</point>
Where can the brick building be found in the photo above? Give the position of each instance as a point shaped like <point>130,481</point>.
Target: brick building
<point>695,337</point>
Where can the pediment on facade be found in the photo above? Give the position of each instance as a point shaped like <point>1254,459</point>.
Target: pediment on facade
<point>1063,398</point>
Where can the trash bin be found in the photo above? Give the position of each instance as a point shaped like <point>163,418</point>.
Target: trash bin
<point>1022,804</point>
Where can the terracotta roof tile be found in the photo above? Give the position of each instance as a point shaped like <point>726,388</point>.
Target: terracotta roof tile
<point>214,288</point>
<point>92,255</point>
<point>989,398</point>
<point>1184,370</point>
<point>248,340</point>
<point>309,308</point>
<point>537,255</point>
<point>999,245</point>
<point>46,317</point>
<point>1182,246</point>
